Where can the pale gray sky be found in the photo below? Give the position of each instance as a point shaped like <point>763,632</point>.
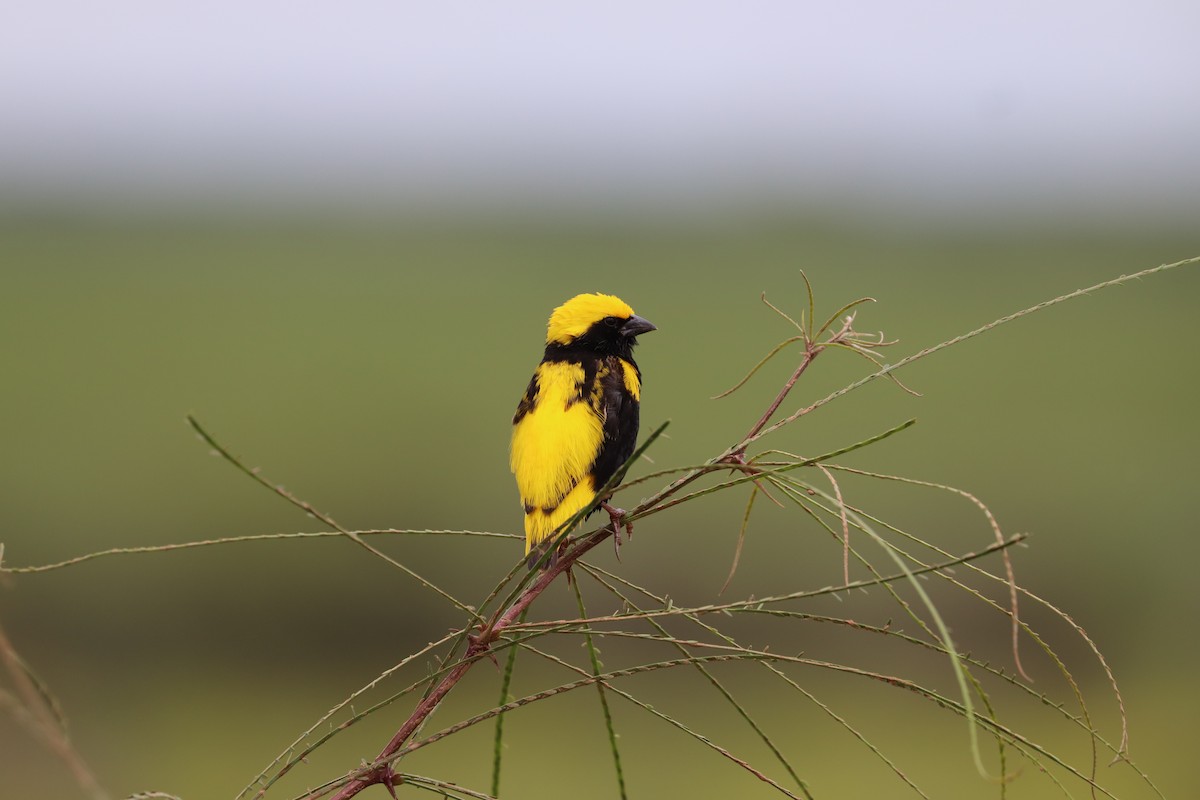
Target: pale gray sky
<point>1074,105</point>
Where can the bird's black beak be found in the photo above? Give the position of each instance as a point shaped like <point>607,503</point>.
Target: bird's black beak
<point>636,325</point>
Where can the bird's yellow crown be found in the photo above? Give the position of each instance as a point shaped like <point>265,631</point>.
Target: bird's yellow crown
<point>572,319</point>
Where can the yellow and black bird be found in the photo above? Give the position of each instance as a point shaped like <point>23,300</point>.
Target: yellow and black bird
<point>578,421</point>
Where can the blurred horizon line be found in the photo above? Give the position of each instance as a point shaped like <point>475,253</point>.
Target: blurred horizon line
<point>880,212</point>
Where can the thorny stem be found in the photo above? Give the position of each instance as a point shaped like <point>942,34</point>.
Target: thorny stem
<point>479,646</point>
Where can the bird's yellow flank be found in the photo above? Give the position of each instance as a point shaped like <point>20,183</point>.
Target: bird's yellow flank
<point>578,420</point>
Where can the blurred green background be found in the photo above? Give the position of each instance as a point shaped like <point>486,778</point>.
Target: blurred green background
<point>335,236</point>
<point>373,371</point>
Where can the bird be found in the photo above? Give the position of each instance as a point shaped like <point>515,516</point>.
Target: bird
<point>577,422</point>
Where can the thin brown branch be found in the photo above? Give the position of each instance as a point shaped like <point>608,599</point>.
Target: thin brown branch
<point>478,648</point>
<point>811,351</point>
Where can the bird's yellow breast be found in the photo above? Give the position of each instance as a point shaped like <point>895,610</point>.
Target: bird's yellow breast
<point>557,440</point>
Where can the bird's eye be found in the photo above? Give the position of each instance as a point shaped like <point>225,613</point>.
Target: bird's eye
<point>612,322</point>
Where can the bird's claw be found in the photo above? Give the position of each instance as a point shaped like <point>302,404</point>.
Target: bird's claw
<point>617,518</point>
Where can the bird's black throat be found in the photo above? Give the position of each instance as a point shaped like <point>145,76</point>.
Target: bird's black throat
<point>600,340</point>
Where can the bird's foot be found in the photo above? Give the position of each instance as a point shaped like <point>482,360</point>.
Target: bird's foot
<point>561,552</point>
<point>618,520</point>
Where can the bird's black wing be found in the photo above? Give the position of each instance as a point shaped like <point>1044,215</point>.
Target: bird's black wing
<point>620,412</point>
